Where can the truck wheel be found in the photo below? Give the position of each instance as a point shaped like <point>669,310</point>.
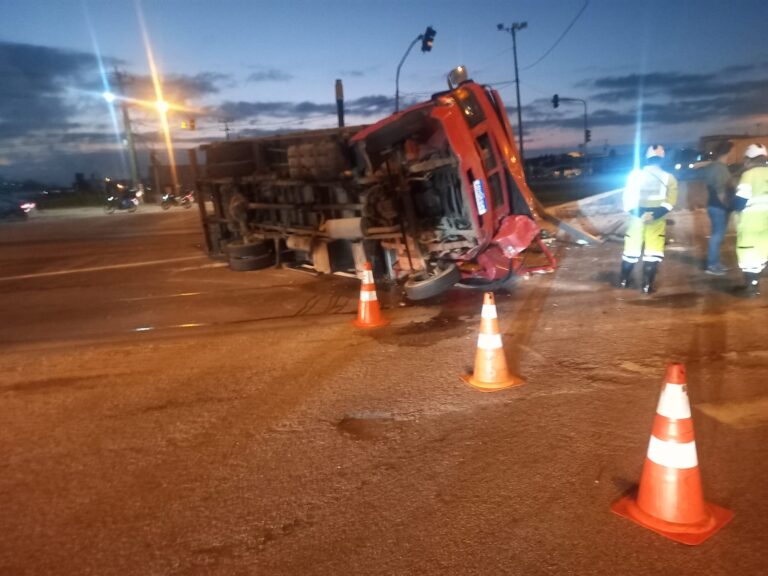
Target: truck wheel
<point>422,285</point>
<point>246,263</point>
<point>240,249</point>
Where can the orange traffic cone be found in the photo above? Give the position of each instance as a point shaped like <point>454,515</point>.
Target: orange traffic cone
<point>490,363</point>
<point>368,312</point>
<point>670,500</point>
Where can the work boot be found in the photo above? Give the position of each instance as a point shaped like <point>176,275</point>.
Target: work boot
<point>626,272</point>
<point>751,286</point>
<point>649,273</point>
<point>716,270</point>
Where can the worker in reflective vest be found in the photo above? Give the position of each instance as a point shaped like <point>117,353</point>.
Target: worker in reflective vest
<point>751,205</point>
<point>649,195</point>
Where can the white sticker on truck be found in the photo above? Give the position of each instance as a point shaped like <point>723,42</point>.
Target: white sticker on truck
<point>482,207</point>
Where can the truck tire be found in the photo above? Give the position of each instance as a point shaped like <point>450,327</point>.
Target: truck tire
<point>247,263</point>
<point>423,285</point>
<point>240,249</point>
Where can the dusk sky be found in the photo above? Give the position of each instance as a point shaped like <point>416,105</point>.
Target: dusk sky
<point>695,67</point>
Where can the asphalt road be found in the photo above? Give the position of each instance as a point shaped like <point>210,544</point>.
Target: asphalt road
<point>161,414</point>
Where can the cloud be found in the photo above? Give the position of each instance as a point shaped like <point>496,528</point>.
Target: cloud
<point>270,75</point>
<point>734,93</point>
<point>179,88</point>
<point>34,84</point>
<point>353,74</point>
<point>366,106</point>
<point>729,80</point>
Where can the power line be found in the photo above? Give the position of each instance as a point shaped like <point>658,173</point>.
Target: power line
<point>568,28</point>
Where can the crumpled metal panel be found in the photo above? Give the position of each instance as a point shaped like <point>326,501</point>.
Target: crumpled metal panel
<point>515,234</point>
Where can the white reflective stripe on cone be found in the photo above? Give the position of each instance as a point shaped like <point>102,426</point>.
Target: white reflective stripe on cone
<point>489,311</point>
<point>673,402</point>
<point>489,341</point>
<point>672,454</point>
<point>367,277</point>
<point>367,296</point>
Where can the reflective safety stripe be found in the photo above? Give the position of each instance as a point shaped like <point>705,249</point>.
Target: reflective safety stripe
<point>367,277</point>
<point>744,190</point>
<point>673,402</point>
<point>488,312</point>
<point>489,341</point>
<point>368,296</point>
<point>630,258</point>
<point>757,203</point>
<point>672,454</point>
<point>667,205</point>
<point>632,190</point>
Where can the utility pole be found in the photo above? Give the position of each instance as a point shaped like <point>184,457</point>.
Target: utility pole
<point>227,129</point>
<point>513,30</point>
<point>121,81</point>
<point>340,102</point>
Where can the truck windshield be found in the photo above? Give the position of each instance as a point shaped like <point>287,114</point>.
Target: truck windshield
<point>470,107</point>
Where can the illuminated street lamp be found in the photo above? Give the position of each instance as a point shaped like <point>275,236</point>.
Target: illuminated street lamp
<point>109,97</point>
<point>162,106</point>
<point>426,39</point>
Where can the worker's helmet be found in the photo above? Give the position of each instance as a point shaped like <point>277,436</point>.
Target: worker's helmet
<point>654,151</point>
<point>755,150</point>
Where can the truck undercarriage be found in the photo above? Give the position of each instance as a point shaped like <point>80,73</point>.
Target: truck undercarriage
<point>433,195</point>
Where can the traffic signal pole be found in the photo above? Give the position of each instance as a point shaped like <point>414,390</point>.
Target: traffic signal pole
<point>556,99</point>
<point>426,40</point>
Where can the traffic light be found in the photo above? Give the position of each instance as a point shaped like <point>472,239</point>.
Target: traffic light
<point>427,39</point>
<point>184,125</point>
<point>192,124</point>
<point>555,101</point>
<point>587,135</point>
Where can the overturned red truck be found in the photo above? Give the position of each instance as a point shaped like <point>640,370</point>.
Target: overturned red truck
<point>434,195</point>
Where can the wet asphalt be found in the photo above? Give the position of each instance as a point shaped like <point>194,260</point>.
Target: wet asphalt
<point>161,414</point>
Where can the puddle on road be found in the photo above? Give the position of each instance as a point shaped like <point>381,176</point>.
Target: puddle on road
<point>369,427</point>
<point>682,300</point>
<point>456,314</point>
<point>739,414</point>
<point>423,333</point>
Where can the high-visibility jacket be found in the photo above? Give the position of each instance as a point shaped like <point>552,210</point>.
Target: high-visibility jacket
<point>752,221</point>
<point>650,188</point>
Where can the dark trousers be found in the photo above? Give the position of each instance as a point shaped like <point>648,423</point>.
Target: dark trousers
<point>719,219</point>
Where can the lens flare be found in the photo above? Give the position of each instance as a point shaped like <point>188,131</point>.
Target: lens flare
<point>158,95</point>
<point>107,91</point>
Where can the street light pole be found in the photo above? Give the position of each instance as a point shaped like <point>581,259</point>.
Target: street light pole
<point>119,80</point>
<point>513,30</point>
<point>426,40</point>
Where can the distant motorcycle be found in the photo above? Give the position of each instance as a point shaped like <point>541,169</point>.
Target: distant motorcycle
<point>183,200</point>
<point>127,202</point>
